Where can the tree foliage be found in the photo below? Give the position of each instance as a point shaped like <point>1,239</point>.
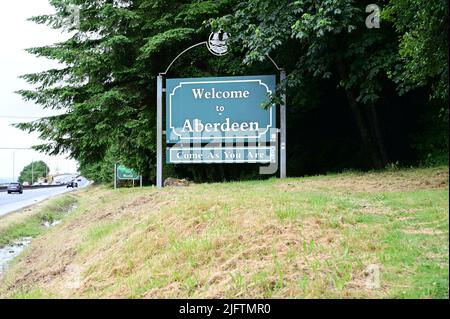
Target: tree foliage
<point>423,44</point>
<point>335,43</point>
<point>33,171</point>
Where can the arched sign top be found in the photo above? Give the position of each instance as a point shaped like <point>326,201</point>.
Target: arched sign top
<point>179,55</point>
<point>217,44</point>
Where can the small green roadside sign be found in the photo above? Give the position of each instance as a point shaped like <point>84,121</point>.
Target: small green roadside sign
<point>124,173</point>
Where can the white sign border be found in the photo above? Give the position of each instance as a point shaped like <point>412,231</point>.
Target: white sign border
<point>259,81</point>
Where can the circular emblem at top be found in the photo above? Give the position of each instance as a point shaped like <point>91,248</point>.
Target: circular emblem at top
<point>218,43</point>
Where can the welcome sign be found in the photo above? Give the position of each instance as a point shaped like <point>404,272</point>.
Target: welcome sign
<point>220,119</point>
<point>219,109</point>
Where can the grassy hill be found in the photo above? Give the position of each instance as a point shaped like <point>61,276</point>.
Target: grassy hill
<point>316,237</point>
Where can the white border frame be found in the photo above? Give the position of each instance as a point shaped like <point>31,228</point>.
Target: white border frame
<point>222,138</point>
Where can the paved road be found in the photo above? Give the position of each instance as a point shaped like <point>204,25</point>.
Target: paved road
<point>12,202</point>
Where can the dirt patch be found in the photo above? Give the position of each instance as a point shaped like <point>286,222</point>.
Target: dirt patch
<point>44,263</point>
<point>375,209</point>
<point>365,283</point>
<point>72,277</point>
<point>168,291</point>
<point>422,231</point>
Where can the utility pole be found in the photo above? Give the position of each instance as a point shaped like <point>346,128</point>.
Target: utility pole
<point>14,159</point>
<point>32,172</point>
<point>159,127</point>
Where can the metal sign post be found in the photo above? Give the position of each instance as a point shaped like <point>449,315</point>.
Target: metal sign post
<point>159,158</point>
<point>115,176</point>
<point>283,125</point>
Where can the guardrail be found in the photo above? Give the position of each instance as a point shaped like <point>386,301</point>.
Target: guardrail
<point>3,188</point>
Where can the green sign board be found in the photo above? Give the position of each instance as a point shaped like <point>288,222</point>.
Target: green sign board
<point>124,173</point>
<point>220,109</point>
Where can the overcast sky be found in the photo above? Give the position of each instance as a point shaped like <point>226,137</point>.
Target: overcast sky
<point>18,34</point>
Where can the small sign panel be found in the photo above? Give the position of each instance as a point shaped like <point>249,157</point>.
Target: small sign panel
<point>124,173</point>
<point>210,155</point>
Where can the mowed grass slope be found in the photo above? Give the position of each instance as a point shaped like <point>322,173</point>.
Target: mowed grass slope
<point>30,221</point>
<point>316,237</point>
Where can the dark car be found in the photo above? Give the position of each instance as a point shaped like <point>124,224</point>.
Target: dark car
<point>15,188</point>
<point>72,184</point>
